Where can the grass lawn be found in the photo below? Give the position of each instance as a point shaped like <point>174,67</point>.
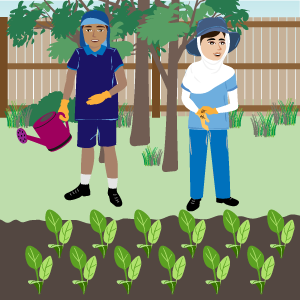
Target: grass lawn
<point>264,175</point>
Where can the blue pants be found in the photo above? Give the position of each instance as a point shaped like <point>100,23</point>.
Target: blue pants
<point>87,131</point>
<point>220,162</point>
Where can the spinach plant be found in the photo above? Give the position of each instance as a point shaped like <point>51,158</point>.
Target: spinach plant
<point>256,261</point>
<point>143,224</point>
<point>35,261</point>
<point>54,224</point>
<point>276,224</point>
<point>167,260</point>
<point>232,224</point>
<point>187,224</point>
<point>98,223</point>
<point>78,260</point>
<point>212,260</point>
<point>123,261</point>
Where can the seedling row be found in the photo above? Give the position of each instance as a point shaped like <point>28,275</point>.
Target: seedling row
<point>167,259</point>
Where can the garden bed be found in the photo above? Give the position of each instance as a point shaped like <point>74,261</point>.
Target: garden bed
<point>16,273</point>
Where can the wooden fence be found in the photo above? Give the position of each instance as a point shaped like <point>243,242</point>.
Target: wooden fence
<point>266,63</point>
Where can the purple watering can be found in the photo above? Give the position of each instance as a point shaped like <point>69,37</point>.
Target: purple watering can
<point>52,132</point>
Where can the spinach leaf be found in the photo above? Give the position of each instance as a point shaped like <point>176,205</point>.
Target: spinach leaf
<point>142,221</point>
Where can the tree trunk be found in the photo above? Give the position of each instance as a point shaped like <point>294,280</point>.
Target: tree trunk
<point>170,162</point>
<point>140,133</point>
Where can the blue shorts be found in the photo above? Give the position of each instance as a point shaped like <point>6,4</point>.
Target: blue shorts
<point>87,131</point>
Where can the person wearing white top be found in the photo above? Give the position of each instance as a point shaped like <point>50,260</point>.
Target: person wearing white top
<point>205,89</point>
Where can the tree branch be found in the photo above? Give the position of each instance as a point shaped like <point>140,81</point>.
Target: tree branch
<point>158,3</point>
<point>50,7</point>
<point>86,8</point>
<point>228,16</point>
<point>114,4</point>
<point>46,17</point>
<point>70,8</point>
<point>218,15</point>
<point>214,15</point>
<point>107,11</point>
<point>159,64</point>
<point>76,6</point>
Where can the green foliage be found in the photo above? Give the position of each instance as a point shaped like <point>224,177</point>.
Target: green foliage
<point>132,19</point>
<point>21,25</point>
<point>62,49</point>
<point>230,8</point>
<point>152,29</point>
<point>64,23</point>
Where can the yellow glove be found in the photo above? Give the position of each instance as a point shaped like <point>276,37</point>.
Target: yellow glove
<point>208,110</point>
<point>64,109</point>
<point>98,98</point>
<point>203,118</point>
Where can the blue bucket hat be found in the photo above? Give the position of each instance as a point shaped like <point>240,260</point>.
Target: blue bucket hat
<point>95,17</point>
<point>208,25</point>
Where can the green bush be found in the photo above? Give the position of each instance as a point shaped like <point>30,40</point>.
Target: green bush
<point>49,103</point>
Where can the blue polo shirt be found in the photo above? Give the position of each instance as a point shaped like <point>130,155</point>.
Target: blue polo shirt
<point>95,75</point>
<point>217,97</point>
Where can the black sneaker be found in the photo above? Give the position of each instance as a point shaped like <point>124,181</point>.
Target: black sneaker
<point>228,201</point>
<point>193,204</point>
<point>114,197</point>
<point>81,190</point>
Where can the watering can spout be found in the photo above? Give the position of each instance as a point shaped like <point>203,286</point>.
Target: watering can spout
<point>23,137</point>
<point>36,140</point>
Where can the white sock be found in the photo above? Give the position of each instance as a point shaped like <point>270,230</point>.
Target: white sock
<point>85,178</point>
<point>112,183</point>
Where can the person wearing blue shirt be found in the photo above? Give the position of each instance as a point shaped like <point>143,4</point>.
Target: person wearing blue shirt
<point>205,89</point>
<point>96,66</point>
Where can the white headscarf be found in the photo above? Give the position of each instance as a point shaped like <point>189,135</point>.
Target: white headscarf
<point>204,75</point>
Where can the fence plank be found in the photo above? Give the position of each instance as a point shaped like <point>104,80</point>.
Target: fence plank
<point>130,74</point>
<point>274,59</point>
<point>240,74</point>
<point>12,74</point>
<point>257,99</point>
<point>265,56</point>
<point>54,73</point>
<point>38,88</point>
<point>249,73</point>
<point>297,60</point>
<point>291,59</point>
<point>29,74</point>
<point>282,59</point>
<point>45,40</point>
<point>20,83</point>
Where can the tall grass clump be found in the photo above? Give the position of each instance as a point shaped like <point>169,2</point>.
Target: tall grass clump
<point>124,119</point>
<point>264,127</point>
<point>235,118</point>
<point>151,157</point>
<point>15,116</point>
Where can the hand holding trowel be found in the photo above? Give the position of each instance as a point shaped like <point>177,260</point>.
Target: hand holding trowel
<point>203,118</point>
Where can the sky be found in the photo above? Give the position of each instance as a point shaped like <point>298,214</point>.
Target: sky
<point>257,8</point>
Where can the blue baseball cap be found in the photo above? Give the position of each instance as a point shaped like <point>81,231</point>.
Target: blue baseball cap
<point>95,17</point>
<point>208,25</point>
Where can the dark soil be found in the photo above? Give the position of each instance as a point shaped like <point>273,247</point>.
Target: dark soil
<point>15,272</point>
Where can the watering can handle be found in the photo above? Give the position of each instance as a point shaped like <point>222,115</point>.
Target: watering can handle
<point>67,125</point>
